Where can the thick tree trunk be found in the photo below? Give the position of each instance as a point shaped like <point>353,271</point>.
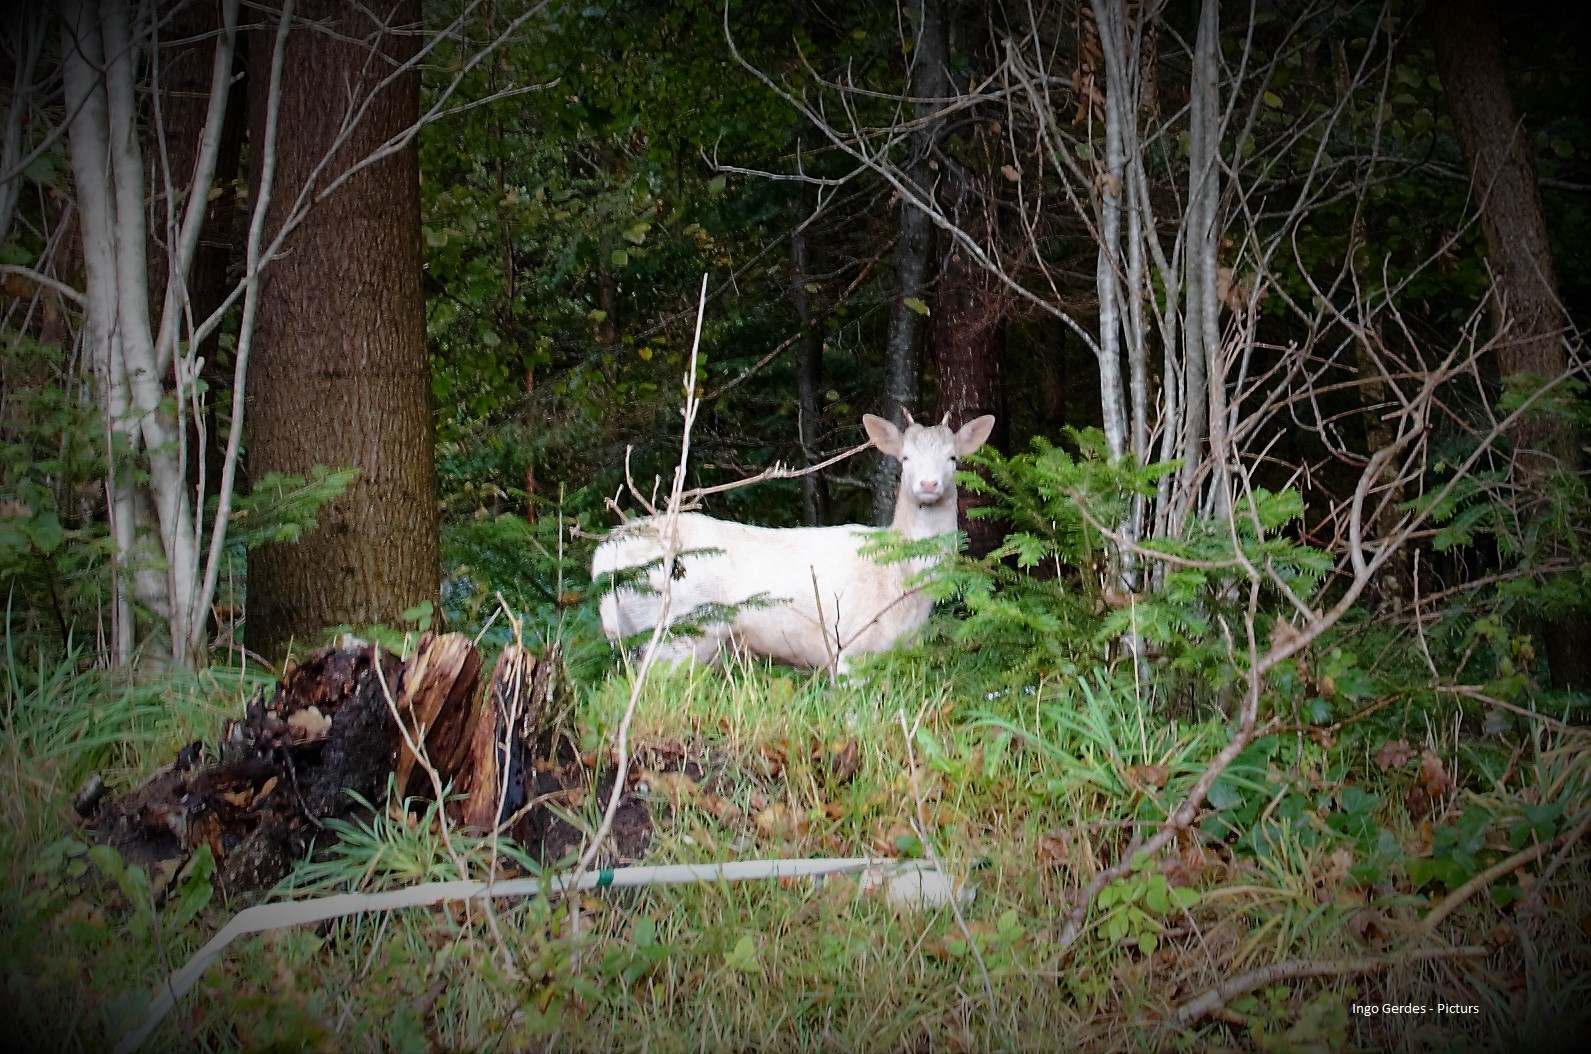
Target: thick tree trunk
<point>809,374</point>
<point>969,305</point>
<point>929,82</point>
<point>1469,58</point>
<point>340,375</point>
<point>1527,312</point>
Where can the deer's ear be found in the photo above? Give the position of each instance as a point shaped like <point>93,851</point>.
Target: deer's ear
<point>974,434</point>
<point>884,435</point>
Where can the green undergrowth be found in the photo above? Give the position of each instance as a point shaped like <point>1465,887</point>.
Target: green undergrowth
<point>1311,847</point>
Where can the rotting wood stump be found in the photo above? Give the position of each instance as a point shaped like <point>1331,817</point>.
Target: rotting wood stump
<point>326,740</point>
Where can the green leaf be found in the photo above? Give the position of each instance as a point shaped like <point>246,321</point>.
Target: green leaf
<point>197,888</point>
<point>41,169</point>
<point>1157,897</point>
<point>15,255</point>
<point>1272,100</point>
<point>916,305</point>
<point>44,531</point>
<point>619,258</point>
<point>743,956</point>
<point>107,860</point>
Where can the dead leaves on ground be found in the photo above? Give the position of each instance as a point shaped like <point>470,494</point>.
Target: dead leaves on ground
<point>1433,777</point>
<point>774,815</point>
<point>1394,754</point>
<point>1145,778</point>
<point>778,822</point>
<point>1434,782</point>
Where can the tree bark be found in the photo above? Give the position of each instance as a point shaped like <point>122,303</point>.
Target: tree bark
<point>1527,312</point>
<point>340,374</point>
<point>1527,309</point>
<point>608,302</point>
<point>809,373</point>
<point>969,304</point>
<point>929,82</point>
<point>1203,396</point>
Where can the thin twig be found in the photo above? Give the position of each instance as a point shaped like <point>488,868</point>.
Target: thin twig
<point>1212,1001</point>
<point>671,547</point>
<point>1472,692</point>
<point>775,471</point>
<point>823,628</point>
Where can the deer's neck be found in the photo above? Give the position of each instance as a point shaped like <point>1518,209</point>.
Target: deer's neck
<point>916,522</point>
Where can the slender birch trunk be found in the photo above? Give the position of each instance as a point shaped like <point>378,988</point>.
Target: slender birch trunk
<point>82,50</point>
<point>1110,18</point>
<point>100,55</point>
<point>167,475</point>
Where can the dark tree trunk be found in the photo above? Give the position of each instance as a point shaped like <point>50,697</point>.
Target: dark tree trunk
<point>608,303</point>
<point>1052,380</point>
<point>1527,311</point>
<point>340,375</point>
<point>929,81</point>
<point>184,87</point>
<point>809,372</point>
<point>968,309</point>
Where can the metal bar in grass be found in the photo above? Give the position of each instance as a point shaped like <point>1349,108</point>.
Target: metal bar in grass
<point>266,917</point>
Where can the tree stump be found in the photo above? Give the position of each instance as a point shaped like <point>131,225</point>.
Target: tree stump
<point>326,741</point>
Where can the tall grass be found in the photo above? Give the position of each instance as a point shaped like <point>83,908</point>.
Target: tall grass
<point>1024,795</point>
<point>75,955</point>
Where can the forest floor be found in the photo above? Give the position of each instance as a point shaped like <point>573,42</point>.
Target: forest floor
<point>1314,874</point>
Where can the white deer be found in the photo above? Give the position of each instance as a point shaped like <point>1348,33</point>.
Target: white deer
<point>804,596</point>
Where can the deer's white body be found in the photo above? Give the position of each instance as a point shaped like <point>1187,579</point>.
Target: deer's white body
<point>814,599</point>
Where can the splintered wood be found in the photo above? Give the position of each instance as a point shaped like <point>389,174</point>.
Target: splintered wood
<point>436,705</point>
<point>481,751</point>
